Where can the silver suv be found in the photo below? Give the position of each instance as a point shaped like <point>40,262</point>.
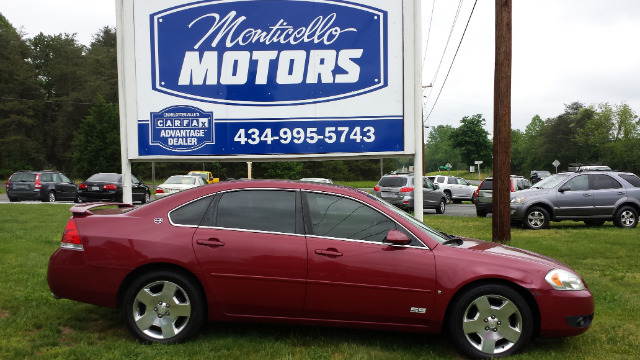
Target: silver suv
<point>454,188</point>
<point>590,196</point>
<point>398,190</point>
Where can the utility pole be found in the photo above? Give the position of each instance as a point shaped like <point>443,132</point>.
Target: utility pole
<point>501,219</point>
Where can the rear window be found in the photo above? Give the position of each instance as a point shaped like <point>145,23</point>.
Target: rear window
<point>105,177</point>
<point>393,181</point>
<point>487,184</point>
<point>631,179</point>
<point>24,177</point>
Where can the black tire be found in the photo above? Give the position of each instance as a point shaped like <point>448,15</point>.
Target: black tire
<point>51,197</point>
<point>164,307</point>
<point>481,213</point>
<point>11,199</point>
<point>594,223</point>
<point>447,195</point>
<point>626,217</point>
<point>502,327</point>
<point>441,206</point>
<point>536,218</point>
<point>146,198</point>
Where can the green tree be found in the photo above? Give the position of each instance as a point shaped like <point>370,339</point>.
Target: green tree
<point>440,149</point>
<point>96,143</point>
<point>278,170</point>
<point>102,66</point>
<point>19,140</point>
<point>472,140</point>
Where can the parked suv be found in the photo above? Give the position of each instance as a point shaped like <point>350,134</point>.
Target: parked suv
<point>398,190</point>
<point>590,196</point>
<point>45,185</point>
<point>483,196</point>
<point>454,188</point>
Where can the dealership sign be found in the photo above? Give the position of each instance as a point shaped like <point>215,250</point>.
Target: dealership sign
<point>264,78</point>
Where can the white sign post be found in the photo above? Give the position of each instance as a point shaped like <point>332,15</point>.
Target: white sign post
<point>478,162</point>
<point>556,163</point>
<point>255,80</point>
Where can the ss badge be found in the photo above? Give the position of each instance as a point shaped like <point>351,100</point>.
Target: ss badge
<point>418,310</point>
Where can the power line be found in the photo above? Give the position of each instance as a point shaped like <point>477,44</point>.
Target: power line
<point>424,57</point>
<point>452,61</point>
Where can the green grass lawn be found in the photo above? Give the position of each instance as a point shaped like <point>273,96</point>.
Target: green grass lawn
<point>35,326</point>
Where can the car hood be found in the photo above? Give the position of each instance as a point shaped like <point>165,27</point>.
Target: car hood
<point>491,248</point>
<point>531,192</point>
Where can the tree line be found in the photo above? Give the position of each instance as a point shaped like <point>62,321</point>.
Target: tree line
<point>602,134</point>
<point>59,110</point>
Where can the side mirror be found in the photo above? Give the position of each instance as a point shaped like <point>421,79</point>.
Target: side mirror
<point>397,237</point>
<point>436,186</point>
<point>564,188</point>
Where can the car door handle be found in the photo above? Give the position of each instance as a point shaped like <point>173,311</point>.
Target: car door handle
<point>329,252</point>
<point>620,193</point>
<point>210,242</point>
<point>586,195</point>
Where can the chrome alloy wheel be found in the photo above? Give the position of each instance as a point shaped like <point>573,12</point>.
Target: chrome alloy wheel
<point>536,219</point>
<point>627,218</point>
<point>492,324</point>
<point>161,310</point>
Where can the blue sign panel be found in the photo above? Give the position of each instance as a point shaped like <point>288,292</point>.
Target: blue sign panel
<point>265,136</point>
<point>277,52</point>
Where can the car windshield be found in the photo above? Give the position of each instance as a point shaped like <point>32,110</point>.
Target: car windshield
<point>185,180</point>
<point>551,182</point>
<point>434,234</point>
<point>393,181</point>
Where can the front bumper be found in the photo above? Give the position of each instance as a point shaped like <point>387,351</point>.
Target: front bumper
<point>517,212</point>
<point>564,313</point>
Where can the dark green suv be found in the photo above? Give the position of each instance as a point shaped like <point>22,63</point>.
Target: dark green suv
<point>45,185</point>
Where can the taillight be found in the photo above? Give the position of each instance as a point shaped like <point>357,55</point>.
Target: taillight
<point>159,190</point>
<point>83,186</point>
<point>406,189</point>
<point>38,183</point>
<point>375,188</point>
<point>512,186</point>
<point>7,186</point>
<point>476,193</point>
<point>110,187</point>
<point>70,237</point>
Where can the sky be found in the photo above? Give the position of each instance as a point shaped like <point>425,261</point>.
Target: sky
<point>563,51</point>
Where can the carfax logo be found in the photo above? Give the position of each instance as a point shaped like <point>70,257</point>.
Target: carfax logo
<point>182,128</point>
<point>276,52</point>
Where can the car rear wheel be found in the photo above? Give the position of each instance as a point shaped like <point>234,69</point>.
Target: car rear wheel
<point>441,206</point>
<point>164,307</point>
<point>626,217</point>
<point>481,213</point>
<point>51,197</point>
<point>536,218</point>
<point>490,321</point>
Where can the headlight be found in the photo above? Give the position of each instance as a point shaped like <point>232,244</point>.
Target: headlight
<point>518,200</point>
<point>564,280</point>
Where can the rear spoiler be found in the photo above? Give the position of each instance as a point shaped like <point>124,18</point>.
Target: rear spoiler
<point>85,209</point>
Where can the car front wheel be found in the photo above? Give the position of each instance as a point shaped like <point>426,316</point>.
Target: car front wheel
<point>163,307</point>
<point>536,218</point>
<point>490,321</point>
<point>51,197</point>
<point>441,206</point>
<point>626,217</point>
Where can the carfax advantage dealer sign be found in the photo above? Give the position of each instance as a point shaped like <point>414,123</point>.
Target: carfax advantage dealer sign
<point>264,79</point>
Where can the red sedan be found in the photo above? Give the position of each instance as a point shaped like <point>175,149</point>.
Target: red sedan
<point>308,253</point>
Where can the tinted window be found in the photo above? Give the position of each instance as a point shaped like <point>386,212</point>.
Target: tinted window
<point>451,181</point>
<point>427,183</point>
<point>462,181</point>
<point>487,184</point>
<point>46,177</point>
<point>393,181</point>
<point>115,178</point>
<point>578,183</point>
<point>632,179</point>
<point>266,210</point>
<point>26,177</point>
<point>192,213</point>
<point>65,179</point>
<point>339,217</point>
<point>603,182</point>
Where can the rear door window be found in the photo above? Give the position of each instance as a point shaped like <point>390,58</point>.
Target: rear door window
<point>263,210</point>
<point>601,181</point>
